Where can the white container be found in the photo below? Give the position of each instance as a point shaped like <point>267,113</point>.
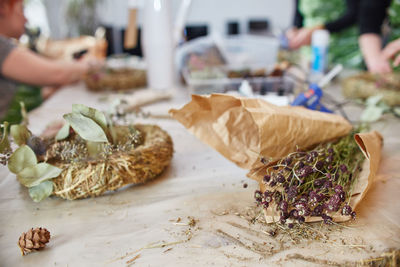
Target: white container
<point>157,43</point>
<point>319,47</point>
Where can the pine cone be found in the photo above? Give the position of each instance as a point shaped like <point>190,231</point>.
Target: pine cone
<point>33,240</point>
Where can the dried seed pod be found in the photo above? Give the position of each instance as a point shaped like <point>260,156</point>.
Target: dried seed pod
<point>33,240</point>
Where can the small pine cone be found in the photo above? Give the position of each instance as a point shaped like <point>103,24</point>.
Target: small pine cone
<point>33,240</point>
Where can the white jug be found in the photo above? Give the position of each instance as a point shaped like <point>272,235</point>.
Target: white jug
<point>159,39</point>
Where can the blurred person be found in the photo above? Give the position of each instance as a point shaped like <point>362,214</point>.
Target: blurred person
<point>339,17</point>
<point>20,65</point>
<point>372,16</point>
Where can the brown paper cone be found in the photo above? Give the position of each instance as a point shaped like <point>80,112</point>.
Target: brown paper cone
<point>371,145</point>
<point>243,130</point>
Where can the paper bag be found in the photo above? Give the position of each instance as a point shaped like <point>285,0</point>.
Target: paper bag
<point>243,129</point>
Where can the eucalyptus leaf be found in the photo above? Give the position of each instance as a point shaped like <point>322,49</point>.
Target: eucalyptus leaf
<point>373,100</point>
<point>94,114</point>
<point>24,114</point>
<point>34,175</point>
<point>372,113</point>
<point>20,134</point>
<point>22,158</point>
<point>41,191</point>
<point>63,132</point>
<point>396,111</point>
<point>86,128</point>
<point>383,106</point>
<point>4,143</point>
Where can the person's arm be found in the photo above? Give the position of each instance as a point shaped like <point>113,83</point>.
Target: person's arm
<point>348,19</point>
<point>371,48</point>
<point>25,66</point>
<point>392,51</point>
<point>371,16</point>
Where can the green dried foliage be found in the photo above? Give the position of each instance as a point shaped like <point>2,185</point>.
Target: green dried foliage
<point>86,127</point>
<point>22,158</point>
<point>41,191</point>
<point>20,134</point>
<point>4,143</point>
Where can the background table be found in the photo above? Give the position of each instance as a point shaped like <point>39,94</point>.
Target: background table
<point>151,220</point>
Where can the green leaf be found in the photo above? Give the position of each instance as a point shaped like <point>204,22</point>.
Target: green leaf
<point>372,113</point>
<point>24,114</point>
<point>373,100</point>
<point>396,111</point>
<point>34,175</point>
<point>41,191</point>
<point>86,128</point>
<point>4,143</point>
<point>94,114</point>
<point>22,158</point>
<point>20,134</point>
<point>63,132</point>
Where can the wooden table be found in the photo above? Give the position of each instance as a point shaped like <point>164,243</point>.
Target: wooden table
<point>198,212</point>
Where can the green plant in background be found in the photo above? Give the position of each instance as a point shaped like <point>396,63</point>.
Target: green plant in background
<point>30,96</point>
<point>83,15</point>
<point>375,108</point>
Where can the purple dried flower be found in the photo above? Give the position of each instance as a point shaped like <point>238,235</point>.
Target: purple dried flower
<point>319,165</point>
<point>272,183</point>
<point>317,210</point>
<point>288,161</point>
<point>329,176</point>
<point>290,225</point>
<point>263,161</point>
<point>319,182</point>
<point>302,209</point>
<point>343,168</point>
<point>353,215</point>
<point>258,195</point>
<point>333,203</point>
<point>268,196</point>
<point>327,219</point>
<point>305,171</point>
<point>265,204</point>
<point>301,219</point>
<point>294,214</point>
<point>329,159</point>
<point>338,188</point>
<point>303,198</point>
<point>301,164</point>
<point>280,178</point>
<point>275,167</point>
<point>283,206</point>
<point>330,150</point>
<point>277,197</point>
<point>346,210</point>
<point>342,196</point>
<point>292,192</point>
<point>313,197</point>
<point>327,185</point>
<point>266,178</point>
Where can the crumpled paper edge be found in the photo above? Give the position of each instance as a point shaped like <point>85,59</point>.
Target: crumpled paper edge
<point>245,129</point>
<point>371,146</point>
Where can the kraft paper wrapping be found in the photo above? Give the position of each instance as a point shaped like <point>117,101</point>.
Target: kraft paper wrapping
<point>370,144</point>
<point>243,130</point>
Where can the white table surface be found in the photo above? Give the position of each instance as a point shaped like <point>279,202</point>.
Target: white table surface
<point>110,230</point>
